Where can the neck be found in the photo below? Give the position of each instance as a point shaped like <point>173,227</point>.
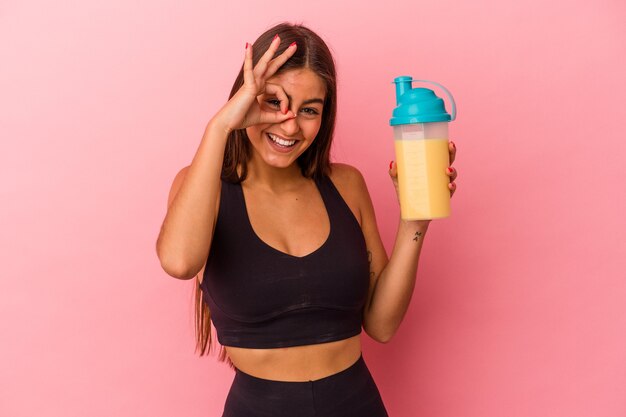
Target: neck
<point>273,178</point>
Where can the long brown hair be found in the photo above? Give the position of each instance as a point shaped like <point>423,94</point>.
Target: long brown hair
<point>312,53</point>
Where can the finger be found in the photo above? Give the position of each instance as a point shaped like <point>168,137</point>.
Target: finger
<point>248,76</point>
<point>452,173</point>
<point>280,60</point>
<point>275,116</point>
<point>261,66</point>
<point>452,151</point>
<point>452,186</point>
<point>393,169</point>
<point>278,91</point>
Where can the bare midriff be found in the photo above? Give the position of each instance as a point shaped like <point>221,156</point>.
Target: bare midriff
<point>297,363</point>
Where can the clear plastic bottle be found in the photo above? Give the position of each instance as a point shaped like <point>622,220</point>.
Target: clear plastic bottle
<point>420,128</point>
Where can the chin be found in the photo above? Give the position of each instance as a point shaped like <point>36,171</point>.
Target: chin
<point>279,162</point>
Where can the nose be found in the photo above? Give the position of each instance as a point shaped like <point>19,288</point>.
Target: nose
<point>290,126</point>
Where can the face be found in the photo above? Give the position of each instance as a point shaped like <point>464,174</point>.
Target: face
<point>304,89</point>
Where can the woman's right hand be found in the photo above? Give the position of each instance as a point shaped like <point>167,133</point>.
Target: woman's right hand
<point>243,109</point>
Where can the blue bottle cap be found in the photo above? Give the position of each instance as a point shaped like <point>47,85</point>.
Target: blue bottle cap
<point>419,105</point>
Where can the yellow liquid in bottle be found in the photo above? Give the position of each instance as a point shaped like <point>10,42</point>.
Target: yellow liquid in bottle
<point>422,179</point>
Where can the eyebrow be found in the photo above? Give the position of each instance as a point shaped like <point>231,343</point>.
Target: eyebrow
<point>311,100</point>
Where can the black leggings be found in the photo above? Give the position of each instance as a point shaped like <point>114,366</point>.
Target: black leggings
<point>348,393</point>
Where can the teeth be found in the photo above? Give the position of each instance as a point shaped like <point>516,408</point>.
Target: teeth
<point>281,141</point>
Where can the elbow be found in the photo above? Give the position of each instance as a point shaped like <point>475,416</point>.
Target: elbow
<point>176,264</point>
<point>384,339</point>
<point>175,268</point>
<point>379,337</point>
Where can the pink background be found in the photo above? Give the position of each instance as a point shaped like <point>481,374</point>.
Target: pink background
<point>520,304</point>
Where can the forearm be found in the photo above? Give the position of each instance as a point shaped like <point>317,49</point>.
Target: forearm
<point>395,284</point>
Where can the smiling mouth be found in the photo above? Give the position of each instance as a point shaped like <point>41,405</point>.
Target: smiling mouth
<point>281,142</point>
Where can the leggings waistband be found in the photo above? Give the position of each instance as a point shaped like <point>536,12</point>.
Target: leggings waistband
<point>351,391</point>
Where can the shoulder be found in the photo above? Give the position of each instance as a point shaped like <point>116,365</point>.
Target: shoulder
<point>351,185</point>
<point>340,172</point>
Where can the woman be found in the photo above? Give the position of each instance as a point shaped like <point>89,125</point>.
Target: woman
<point>285,245</point>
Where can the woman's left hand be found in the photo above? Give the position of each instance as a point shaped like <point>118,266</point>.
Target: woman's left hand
<point>450,172</point>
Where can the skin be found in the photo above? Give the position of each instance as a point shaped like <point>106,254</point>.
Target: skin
<point>287,212</point>
<point>273,167</point>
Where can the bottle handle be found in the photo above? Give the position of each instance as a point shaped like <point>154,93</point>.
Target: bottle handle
<point>447,93</point>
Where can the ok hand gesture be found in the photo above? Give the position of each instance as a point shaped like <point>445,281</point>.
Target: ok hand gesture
<point>243,109</point>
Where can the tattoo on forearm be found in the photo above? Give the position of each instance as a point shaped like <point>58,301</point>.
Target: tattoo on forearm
<point>369,261</point>
<point>417,236</point>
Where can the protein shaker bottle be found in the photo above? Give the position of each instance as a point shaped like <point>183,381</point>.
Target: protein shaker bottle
<point>420,131</point>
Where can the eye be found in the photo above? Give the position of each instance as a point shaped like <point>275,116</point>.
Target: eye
<point>311,112</point>
<point>273,102</point>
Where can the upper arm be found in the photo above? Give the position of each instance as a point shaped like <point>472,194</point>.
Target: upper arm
<point>377,255</point>
<point>178,181</point>
<point>176,184</point>
<point>353,183</point>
